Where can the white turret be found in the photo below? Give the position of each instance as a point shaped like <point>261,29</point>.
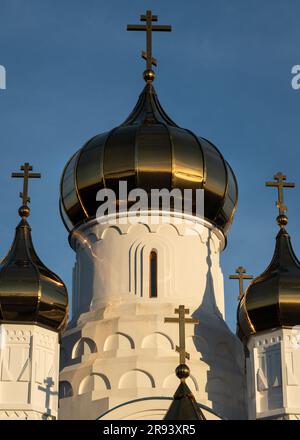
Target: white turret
<point>268,320</point>
<point>33,313</point>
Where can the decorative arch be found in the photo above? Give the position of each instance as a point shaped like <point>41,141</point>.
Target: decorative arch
<point>65,389</point>
<point>94,382</point>
<point>136,379</point>
<point>158,340</point>
<point>138,225</point>
<point>111,230</point>
<point>83,347</point>
<point>172,382</point>
<point>118,341</point>
<point>169,229</point>
<point>139,267</point>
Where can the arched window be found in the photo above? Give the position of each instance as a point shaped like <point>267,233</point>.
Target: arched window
<point>65,389</point>
<point>153,274</point>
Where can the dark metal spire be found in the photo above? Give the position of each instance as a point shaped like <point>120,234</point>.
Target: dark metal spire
<point>24,210</point>
<point>280,183</point>
<point>241,271</point>
<point>184,405</point>
<point>149,74</point>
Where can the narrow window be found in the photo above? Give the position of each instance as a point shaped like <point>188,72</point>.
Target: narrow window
<point>153,274</point>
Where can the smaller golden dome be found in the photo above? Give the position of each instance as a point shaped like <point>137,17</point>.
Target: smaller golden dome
<point>29,291</point>
<point>272,299</point>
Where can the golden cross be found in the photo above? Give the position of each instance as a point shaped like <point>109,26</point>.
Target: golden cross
<point>26,175</point>
<point>241,271</point>
<point>182,320</point>
<point>280,184</point>
<point>149,28</point>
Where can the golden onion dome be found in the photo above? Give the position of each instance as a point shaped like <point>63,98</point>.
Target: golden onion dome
<point>148,151</point>
<point>272,299</point>
<point>29,291</point>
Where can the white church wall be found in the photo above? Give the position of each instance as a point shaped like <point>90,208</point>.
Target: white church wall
<point>29,368</point>
<point>273,371</point>
<point>132,347</point>
<point>113,262</point>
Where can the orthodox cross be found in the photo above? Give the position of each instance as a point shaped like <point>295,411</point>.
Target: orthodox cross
<point>149,28</point>
<point>241,276</point>
<point>182,320</point>
<point>280,184</point>
<point>26,175</point>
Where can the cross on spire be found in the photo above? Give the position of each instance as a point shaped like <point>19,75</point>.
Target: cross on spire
<point>241,276</point>
<point>149,28</point>
<point>26,175</point>
<point>182,320</point>
<point>280,184</point>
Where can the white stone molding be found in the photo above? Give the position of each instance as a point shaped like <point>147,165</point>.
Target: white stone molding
<point>29,367</point>
<point>273,375</point>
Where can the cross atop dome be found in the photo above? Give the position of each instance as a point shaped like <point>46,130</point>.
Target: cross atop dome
<point>241,276</point>
<point>280,184</point>
<point>149,74</point>
<point>24,211</point>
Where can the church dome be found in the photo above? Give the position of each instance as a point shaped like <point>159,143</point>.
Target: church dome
<point>148,151</point>
<point>272,299</point>
<point>30,293</point>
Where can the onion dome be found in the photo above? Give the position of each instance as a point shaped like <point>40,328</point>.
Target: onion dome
<point>148,151</point>
<point>30,293</point>
<point>272,299</point>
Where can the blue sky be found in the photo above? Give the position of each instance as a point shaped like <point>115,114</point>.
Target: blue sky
<point>224,72</point>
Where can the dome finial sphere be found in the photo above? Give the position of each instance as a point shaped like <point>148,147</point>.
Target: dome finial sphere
<point>24,211</point>
<point>149,75</point>
<point>182,371</point>
<point>282,220</point>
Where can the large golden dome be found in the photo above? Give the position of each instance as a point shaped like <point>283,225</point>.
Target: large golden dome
<point>148,151</point>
